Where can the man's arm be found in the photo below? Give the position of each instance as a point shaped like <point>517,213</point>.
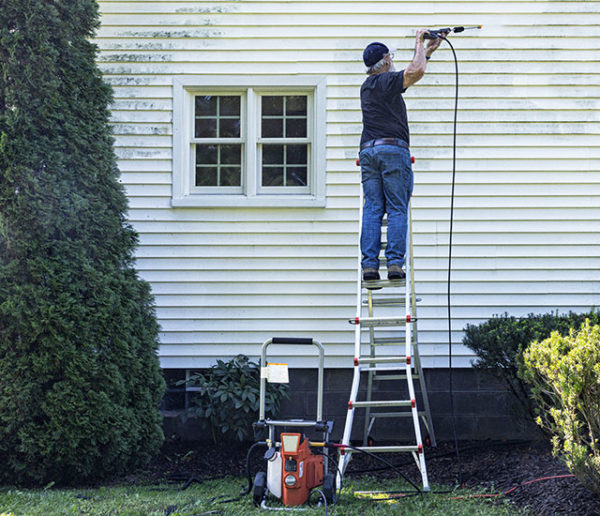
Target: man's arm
<point>416,69</point>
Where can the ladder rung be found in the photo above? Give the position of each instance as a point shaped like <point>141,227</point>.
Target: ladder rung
<point>381,369</point>
<point>395,414</point>
<point>382,403</point>
<point>388,341</point>
<point>388,449</point>
<point>385,377</point>
<point>369,322</point>
<point>389,377</point>
<point>381,360</point>
<point>382,283</point>
<point>386,302</point>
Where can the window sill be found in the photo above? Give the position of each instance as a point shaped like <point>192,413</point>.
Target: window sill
<point>241,201</point>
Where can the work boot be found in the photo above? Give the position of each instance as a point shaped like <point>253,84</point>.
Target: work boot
<point>395,272</point>
<point>370,274</point>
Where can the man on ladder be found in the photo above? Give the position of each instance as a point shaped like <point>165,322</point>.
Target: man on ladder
<point>385,160</point>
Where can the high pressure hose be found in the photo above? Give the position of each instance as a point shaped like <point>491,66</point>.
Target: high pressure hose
<point>450,385</point>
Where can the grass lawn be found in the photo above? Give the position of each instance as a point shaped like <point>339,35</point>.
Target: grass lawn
<point>198,499</point>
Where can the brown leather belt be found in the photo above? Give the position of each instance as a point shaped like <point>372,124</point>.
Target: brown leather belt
<point>384,141</point>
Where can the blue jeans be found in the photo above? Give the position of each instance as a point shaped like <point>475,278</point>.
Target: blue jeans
<point>387,181</point>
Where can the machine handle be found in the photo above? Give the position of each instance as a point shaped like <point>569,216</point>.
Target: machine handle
<point>291,340</point>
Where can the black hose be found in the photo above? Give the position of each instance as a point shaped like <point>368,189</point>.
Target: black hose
<point>375,456</point>
<point>450,384</point>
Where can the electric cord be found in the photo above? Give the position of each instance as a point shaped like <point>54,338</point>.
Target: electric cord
<point>337,492</point>
<point>449,290</point>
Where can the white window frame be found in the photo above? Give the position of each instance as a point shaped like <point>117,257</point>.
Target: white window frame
<point>251,193</point>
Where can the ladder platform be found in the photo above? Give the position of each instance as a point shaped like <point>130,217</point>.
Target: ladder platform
<point>381,403</point>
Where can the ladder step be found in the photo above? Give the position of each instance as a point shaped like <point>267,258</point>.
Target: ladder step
<point>381,360</point>
<point>388,341</point>
<point>389,377</point>
<point>396,414</point>
<point>373,284</point>
<point>384,377</point>
<point>382,403</point>
<point>391,449</point>
<point>380,369</point>
<point>369,322</point>
<point>390,301</point>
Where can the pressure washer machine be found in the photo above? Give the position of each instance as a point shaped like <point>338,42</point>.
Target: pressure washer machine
<point>295,465</point>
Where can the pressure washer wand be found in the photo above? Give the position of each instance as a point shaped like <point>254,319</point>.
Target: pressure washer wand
<point>436,33</point>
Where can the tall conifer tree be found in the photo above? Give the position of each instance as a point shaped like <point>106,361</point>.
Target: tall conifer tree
<point>80,383</point>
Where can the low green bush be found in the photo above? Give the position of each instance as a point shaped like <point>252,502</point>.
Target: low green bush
<point>564,372</point>
<point>229,397</point>
<point>500,341</point>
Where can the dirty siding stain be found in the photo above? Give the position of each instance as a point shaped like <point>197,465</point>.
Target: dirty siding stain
<point>174,34</point>
<point>223,9</point>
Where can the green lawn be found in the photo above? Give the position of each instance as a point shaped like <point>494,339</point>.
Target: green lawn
<point>160,500</point>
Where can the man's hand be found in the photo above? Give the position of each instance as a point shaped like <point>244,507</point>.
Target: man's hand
<point>421,35</point>
<point>432,46</point>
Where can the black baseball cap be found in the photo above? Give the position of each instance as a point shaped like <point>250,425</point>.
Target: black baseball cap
<point>374,52</point>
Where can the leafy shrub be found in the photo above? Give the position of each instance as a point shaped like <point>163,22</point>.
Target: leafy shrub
<point>500,341</point>
<point>564,372</point>
<point>80,382</point>
<point>229,397</point>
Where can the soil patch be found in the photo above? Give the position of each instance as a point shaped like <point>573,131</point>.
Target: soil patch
<point>490,465</point>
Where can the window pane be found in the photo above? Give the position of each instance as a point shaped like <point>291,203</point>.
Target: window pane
<point>218,165</point>
<point>296,154</point>
<point>230,106</point>
<point>206,154</point>
<point>206,176</point>
<point>295,106</point>
<point>272,128</point>
<point>273,154</point>
<point>272,105</point>
<point>229,128</point>
<point>296,176</point>
<point>206,106</point>
<point>272,176</point>
<point>231,176</point>
<point>206,128</point>
<point>231,154</point>
<point>295,128</point>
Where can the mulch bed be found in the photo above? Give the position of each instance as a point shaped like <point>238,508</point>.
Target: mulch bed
<point>493,466</point>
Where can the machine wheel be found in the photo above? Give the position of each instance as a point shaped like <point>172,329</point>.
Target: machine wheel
<point>260,487</point>
<point>329,487</point>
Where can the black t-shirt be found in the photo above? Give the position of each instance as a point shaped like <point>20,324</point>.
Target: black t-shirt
<point>383,108</point>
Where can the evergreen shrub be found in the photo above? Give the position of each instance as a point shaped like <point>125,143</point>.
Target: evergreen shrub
<point>80,383</point>
<point>564,372</point>
<point>227,401</point>
<point>500,341</point>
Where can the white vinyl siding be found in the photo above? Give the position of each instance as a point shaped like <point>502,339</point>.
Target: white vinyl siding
<point>527,219</point>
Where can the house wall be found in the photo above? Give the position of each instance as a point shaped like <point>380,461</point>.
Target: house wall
<point>527,206</point>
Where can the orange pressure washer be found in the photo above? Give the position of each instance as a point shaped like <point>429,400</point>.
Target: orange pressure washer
<point>293,468</point>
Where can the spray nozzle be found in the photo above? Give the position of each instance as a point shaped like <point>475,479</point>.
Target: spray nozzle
<point>436,33</point>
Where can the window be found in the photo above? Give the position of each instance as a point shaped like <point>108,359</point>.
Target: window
<point>249,142</point>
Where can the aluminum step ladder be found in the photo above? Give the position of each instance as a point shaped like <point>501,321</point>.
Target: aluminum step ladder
<point>392,354</point>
